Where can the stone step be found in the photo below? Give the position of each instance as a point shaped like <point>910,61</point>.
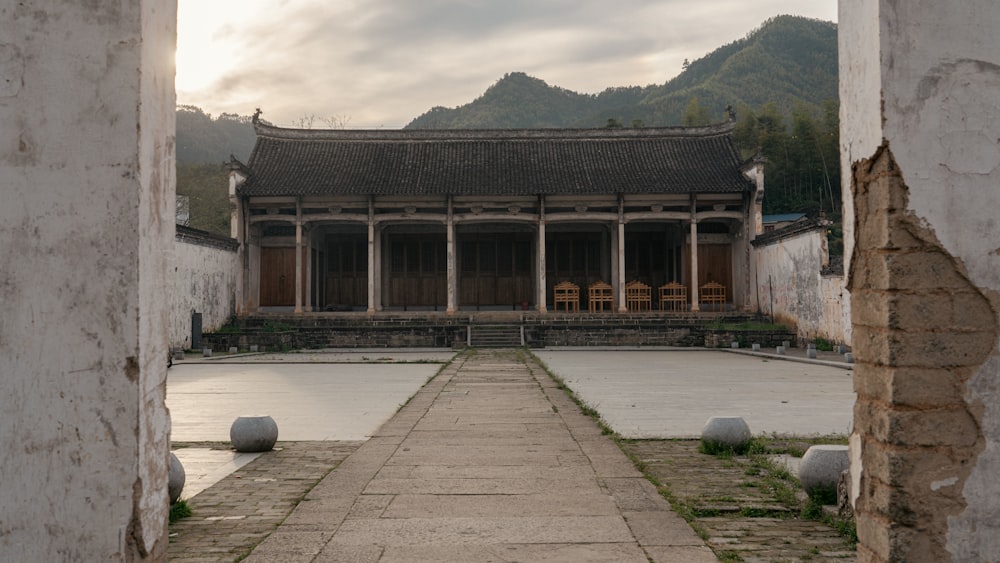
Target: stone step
<point>504,336</point>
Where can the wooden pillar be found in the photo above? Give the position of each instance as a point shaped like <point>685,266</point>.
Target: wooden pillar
<point>371,256</point>
<point>298,257</point>
<point>540,277</point>
<point>452,285</point>
<point>620,256</point>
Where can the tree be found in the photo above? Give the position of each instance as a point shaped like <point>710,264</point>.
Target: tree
<point>206,188</point>
<point>695,114</point>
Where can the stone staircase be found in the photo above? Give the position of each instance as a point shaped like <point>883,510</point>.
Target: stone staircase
<point>496,336</point>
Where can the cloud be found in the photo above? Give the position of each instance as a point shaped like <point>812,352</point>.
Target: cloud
<point>384,62</point>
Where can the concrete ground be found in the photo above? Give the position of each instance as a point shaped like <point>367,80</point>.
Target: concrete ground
<point>347,394</point>
<point>488,460</point>
<point>672,393</point>
<point>313,396</point>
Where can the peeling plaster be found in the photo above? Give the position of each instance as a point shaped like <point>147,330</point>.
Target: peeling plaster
<point>974,535</point>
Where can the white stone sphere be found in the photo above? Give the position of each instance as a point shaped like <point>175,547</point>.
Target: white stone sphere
<point>253,433</point>
<point>821,467</point>
<point>730,431</point>
<point>175,479</point>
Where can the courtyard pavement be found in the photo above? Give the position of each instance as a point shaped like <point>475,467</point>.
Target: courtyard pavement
<point>671,394</point>
<point>490,460</point>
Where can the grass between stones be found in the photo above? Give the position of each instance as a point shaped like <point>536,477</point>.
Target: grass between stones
<point>179,510</point>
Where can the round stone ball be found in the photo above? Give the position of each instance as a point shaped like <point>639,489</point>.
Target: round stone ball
<point>729,431</point>
<point>253,433</point>
<point>175,479</point>
<point>821,468</point>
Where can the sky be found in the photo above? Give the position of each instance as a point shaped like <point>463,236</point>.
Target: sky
<point>364,64</point>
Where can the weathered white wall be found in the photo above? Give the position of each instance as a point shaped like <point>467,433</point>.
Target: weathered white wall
<point>923,78</point>
<point>206,280</point>
<point>86,224</point>
<point>787,282</point>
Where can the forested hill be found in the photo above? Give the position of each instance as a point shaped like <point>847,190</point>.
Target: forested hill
<point>202,139</point>
<point>787,61</point>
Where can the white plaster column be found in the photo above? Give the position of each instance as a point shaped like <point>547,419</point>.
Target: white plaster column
<point>307,300</point>
<point>540,277</point>
<point>380,267</point>
<point>86,257</point>
<point>451,258</point>
<point>694,264</point>
<point>620,254</point>
<point>298,257</point>
<point>371,257</point>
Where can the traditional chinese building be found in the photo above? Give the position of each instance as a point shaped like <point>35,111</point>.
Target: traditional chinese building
<point>466,220</point>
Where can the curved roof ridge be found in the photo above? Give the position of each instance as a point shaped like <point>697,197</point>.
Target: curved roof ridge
<point>275,132</point>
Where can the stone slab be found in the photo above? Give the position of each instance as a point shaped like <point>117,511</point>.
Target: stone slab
<point>661,528</point>
<point>539,504</point>
<point>452,530</point>
<point>551,553</point>
<point>476,486</point>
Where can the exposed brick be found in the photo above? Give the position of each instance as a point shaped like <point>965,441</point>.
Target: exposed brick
<point>938,349</point>
<point>873,536</point>
<point>942,349</point>
<point>910,386</point>
<point>924,270</point>
<point>870,307</point>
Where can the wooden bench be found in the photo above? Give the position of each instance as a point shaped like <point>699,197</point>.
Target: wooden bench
<point>568,294</point>
<point>712,293</point>
<point>599,293</point>
<point>638,296</point>
<point>673,297</point>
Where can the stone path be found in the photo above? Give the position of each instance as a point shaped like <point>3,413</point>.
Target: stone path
<point>735,505</point>
<point>235,514</point>
<point>488,461</point>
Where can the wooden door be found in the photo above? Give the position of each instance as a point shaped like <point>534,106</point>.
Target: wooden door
<point>347,272</point>
<point>496,270</point>
<point>277,277</point>
<point>715,264</point>
<point>418,271</point>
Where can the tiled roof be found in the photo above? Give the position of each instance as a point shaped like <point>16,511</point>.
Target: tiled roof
<point>782,217</point>
<point>494,162</point>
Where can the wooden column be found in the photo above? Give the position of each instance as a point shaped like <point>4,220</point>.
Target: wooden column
<point>452,285</point>
<point>298,257</point>
<point>620,255</point>
<point>540,277</point>
<point>371,256</point>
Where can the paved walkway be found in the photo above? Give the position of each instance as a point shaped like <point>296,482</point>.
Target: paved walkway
<point>490,461</point>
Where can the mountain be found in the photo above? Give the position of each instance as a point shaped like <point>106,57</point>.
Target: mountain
<point>787,61</point>
<point>202,139</point>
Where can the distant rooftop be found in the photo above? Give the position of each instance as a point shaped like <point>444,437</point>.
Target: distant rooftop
<point>494,162</point>
<point>782,217</point>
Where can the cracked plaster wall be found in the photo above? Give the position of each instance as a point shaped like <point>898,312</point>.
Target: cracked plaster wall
<point>788,284</point>
<point>206,281</point>
<point>920,137</point>
<point>86,165</point>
